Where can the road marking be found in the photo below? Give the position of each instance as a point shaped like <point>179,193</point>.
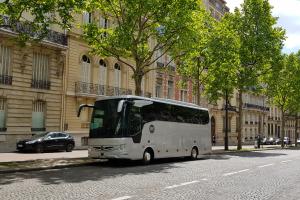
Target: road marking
<point>285,161</point>
<point>123,198</point>
<point>231,173</point>
<point>265,165</point>
<point>181,184</point>
<point>204,179</point>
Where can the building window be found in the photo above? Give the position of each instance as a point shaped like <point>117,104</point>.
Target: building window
<point>183,95</point>
<point>104,24</point>
<point>5,68</point>
<point>40,71</point>
<point>87,17</point>
<point>158,90</point>
<point>117,72</point>
<point>2,114</point>
<point>170,89</point>
<point>117,79</point>
<point>229,124</point>
<point>85,69</point>
<point>102,72</point>
<point>38,116</point>
<point>159,57</point>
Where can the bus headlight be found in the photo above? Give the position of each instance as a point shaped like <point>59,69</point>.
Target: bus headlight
<point>122,147</point>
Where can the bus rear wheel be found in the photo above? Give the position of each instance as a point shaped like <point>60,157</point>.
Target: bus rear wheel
<point>147,157</point>
<point>194,153</point>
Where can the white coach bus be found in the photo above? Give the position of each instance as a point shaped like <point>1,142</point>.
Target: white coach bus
<point>133,127</point>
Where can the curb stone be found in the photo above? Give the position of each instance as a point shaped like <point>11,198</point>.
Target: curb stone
<point>37,166</point>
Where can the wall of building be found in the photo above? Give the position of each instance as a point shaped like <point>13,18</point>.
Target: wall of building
<point>20,95</point>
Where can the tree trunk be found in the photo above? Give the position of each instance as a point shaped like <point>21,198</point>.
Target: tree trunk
<point>296,129</point>
<point>282,127</point>
<point>138,83</point>
<point>226,122</point>
<point>239,130</point>
<point>198,83</point>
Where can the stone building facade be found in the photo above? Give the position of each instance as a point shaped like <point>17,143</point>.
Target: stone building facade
<point>31,86</point>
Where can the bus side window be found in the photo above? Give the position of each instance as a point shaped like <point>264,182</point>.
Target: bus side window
<point>134,121</point>
<point>204,117</point>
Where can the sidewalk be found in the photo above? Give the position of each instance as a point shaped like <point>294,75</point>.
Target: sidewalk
<point>16,156</point>
<point>18,162</point>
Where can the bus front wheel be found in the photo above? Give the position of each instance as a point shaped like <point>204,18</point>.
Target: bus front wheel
<point>147,157</point>
<point>194,153</point>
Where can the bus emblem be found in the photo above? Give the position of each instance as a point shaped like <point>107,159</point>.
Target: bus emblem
<point>151,128</point>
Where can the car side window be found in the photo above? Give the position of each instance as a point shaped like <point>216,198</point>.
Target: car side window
<point>54,135</point>
<point>61,135</point>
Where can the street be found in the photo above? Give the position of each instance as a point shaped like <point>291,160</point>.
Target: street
<point>272,174</point>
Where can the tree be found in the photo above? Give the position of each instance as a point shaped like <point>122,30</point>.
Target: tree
<point>223,46</point>
<point>37,16</point>
<point>283,84</point>
<point>144,31</point>
<point>194,60</point>
<point>260,43</point>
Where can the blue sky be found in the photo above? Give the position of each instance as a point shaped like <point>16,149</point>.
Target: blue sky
<point>288,12</point>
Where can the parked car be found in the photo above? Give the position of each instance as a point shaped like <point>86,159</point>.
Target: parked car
<point>268,141</point>
<point>47,141</point>
<point>286,140</point>
<point>277,141</point>
<point>298,141</point>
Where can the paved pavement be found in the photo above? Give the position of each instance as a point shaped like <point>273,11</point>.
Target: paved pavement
<point>272,174</point>
<point>16,156</point>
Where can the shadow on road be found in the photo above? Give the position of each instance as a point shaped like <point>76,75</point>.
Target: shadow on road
<point>248,154</point>
<point>98,171</point>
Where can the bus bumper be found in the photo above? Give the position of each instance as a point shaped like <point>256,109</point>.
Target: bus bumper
<point>95,152</point>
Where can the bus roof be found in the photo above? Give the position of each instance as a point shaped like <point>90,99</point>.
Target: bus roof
<point>160,100</point>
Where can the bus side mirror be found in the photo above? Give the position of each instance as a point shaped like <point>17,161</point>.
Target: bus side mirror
<point>83,106</point>
<point>120,105</point>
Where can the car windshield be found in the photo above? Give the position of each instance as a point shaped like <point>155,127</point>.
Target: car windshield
<point>106,121</point>
<point>39,135</point>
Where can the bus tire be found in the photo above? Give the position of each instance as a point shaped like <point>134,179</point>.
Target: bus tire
<point>147,156</point>
<point>194,153</point>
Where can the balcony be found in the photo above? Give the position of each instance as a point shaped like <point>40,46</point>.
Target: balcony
<point>5,79</point>
<point>230,108</point>
<point>90,89</point>
<point>40,84</point>
<point>22,27</point>
<point>256,107</point>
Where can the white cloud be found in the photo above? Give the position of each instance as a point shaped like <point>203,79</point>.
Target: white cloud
<point>289,18</point>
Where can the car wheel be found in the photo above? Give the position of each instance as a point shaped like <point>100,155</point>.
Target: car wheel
<point>69,147</point>
<point>39,148</point>
<point>194,153</point>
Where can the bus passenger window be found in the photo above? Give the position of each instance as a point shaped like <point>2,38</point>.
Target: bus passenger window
<point>134,121</point>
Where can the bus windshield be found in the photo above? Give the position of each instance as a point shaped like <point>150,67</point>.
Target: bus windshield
<point>106,121</point>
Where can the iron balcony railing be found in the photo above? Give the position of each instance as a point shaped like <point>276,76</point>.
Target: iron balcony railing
<point>21,27</point>
<point>41,84</point>
<point>257,107</point>
<point>82,88</point>
<point>5,79</point>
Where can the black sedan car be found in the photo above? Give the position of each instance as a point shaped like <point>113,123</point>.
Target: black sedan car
<point>47,141</point>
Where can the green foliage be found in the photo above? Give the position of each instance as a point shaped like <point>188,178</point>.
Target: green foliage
<point>261,41</point>
<point>141,29</point>
<point>39,16</point>
<point>283,84</point>
<point>193,49</point>
<point>224,59</point>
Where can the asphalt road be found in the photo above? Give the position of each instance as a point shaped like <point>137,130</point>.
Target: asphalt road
<point>273,174</point>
